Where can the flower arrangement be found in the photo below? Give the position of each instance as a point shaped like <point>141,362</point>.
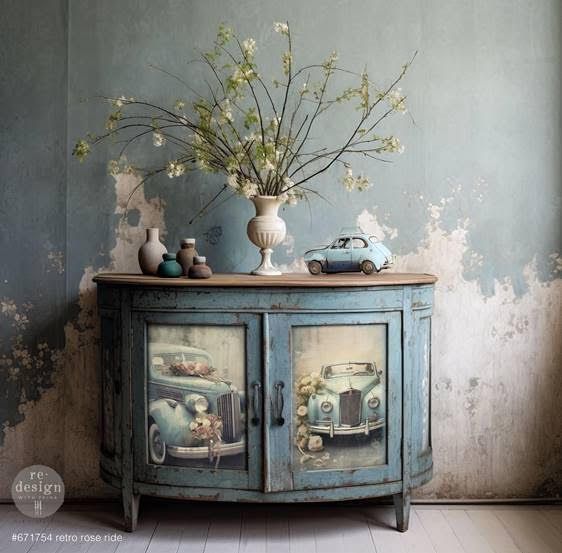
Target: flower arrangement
<point>306,386</point>
<point>192,368</point>
<point>207,428</point>
<point>257,134</point>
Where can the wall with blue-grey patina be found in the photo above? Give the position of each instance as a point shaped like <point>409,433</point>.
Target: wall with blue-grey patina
<point>33,156</point>
<point>475,198</point>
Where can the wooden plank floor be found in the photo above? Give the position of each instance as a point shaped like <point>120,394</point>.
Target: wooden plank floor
<point>184,527</point>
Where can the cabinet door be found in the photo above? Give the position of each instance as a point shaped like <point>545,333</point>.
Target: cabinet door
<point>196,382</point>
<point>335,408</point>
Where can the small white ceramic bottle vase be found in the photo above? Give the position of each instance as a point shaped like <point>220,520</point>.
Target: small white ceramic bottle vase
<point>150,253</point>
<point>266,230</point>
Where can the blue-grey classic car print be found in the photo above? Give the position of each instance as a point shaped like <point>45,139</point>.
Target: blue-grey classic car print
<point>352,251</point>
<point>195,417</point>
<point>351,400</point>
<point>340,396</point>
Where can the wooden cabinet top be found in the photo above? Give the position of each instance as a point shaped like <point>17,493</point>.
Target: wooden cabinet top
<point>298,280</point>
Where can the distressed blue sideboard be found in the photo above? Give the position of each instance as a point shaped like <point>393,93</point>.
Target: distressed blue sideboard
<point>266,389</point>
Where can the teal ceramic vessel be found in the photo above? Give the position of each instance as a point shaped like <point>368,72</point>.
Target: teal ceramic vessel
<point>169,268</point>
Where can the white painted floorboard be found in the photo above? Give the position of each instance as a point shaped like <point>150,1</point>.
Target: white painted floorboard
<point>182,527</point>
<point>469,536</point>
<point>440,532</point>
<point>493,531</point>
<point>528,533</point>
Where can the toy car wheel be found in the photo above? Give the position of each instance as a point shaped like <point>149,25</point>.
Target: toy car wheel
<point>367,267</point>
<point>156,445</point>
<point>314,267</point>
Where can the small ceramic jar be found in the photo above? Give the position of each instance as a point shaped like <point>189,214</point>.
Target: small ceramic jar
<point>169,268</point>
<point>200,269</point>
<point>186,254</point>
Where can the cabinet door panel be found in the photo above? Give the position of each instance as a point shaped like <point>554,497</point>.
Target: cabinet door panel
<point>342,375</point>
<point>192,375</point>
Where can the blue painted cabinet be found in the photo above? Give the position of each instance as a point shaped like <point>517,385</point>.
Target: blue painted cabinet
<point>246,388</point>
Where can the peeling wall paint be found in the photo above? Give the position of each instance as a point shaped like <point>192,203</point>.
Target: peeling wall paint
<point>82,335</point>
<point>473,200</point>
<point>497,428</point>
<point>82,338</point>
<point>33,106</point>
<point>73,403</point>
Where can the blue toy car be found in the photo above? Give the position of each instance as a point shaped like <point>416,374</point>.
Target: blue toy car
<point>352,250</point>
<point>352,400</point>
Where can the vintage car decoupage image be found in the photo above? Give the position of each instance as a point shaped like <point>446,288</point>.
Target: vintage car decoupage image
<point>196,383</point>
<point>339,375</point>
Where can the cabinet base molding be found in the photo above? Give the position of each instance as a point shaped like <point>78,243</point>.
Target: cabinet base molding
<point>401,500</point>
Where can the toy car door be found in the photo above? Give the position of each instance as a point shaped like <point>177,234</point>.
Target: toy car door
<point>359,250</point>
<point>339,256</point>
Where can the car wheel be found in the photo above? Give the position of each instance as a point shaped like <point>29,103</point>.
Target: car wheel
<point>367,267</point>
<point>314,267</point>
<point>156,445</point>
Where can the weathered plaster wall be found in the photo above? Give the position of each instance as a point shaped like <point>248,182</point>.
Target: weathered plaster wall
<point>475,198</point>
<point>33,306</point>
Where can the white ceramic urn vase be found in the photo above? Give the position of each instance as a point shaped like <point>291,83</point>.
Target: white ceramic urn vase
<point>150,253</point>
<point>266,230</point>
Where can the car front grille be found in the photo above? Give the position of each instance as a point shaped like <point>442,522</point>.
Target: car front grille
<point>228,407</point>
<point>350,407</point>
<point>161,391</point>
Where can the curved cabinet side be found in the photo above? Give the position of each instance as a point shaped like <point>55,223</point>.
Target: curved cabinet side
<point>110,397</point>
<point>421,398</point>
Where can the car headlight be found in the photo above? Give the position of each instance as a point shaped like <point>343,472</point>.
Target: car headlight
<point>326,406</point>
<point>373,402</point>
<point>196,403</point>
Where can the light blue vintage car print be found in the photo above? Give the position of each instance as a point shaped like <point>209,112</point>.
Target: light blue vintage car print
<point>175,402</point>
<point>353,250</point>
<point>350,402</point>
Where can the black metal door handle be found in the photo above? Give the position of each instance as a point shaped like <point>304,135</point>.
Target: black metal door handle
<point>256,396</point>
<point>278,403</point>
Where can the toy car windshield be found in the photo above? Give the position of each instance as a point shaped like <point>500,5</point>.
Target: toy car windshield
<point>344,243</point>
<point>349,369</point>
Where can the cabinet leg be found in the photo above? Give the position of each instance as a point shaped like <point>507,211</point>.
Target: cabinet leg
<point>402,508</point>
<point>130,509</point>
